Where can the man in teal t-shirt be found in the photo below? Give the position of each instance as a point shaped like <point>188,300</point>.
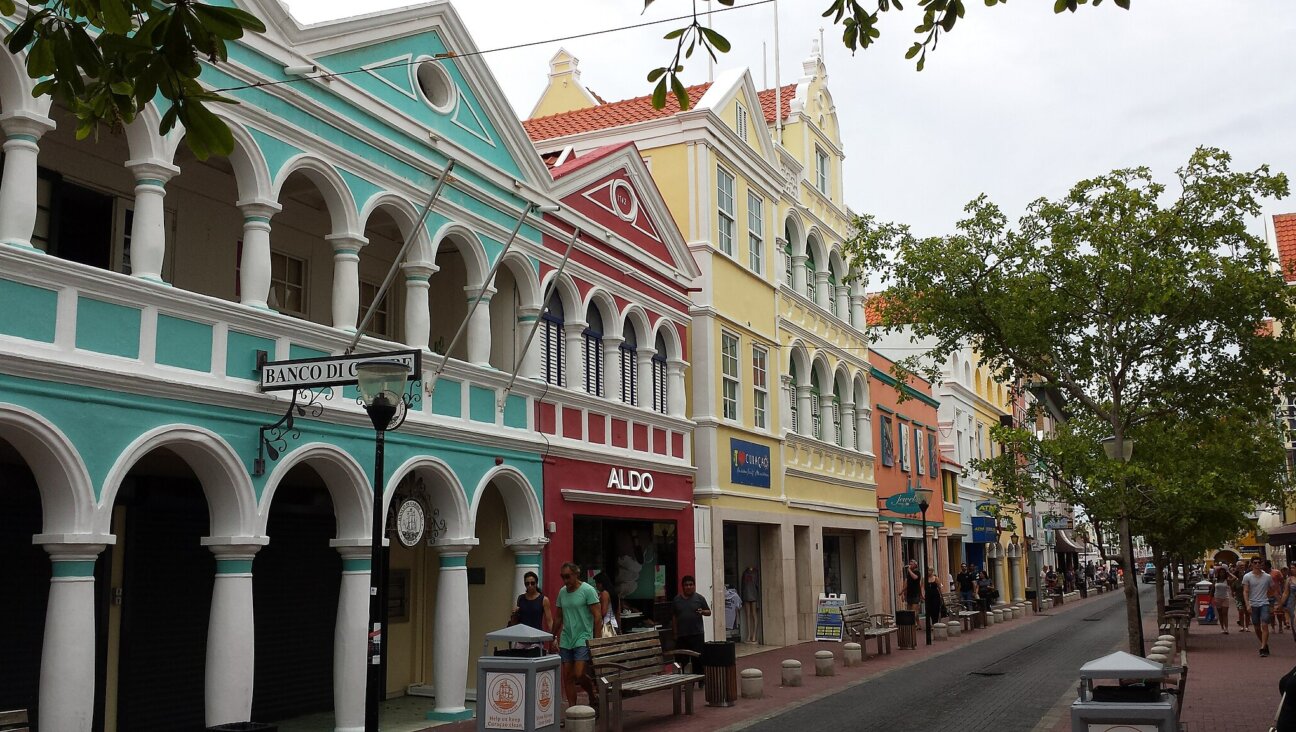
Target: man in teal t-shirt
<point>577,622</point>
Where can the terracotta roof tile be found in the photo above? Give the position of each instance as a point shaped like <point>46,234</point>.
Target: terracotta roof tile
<point>572,164</point>
<point>638,109</point>
<point>1285,232</point>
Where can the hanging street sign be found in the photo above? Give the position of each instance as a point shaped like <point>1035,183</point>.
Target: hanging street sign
<point>313,373</point>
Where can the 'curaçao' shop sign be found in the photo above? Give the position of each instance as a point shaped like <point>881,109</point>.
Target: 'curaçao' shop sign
<point>749,463</point>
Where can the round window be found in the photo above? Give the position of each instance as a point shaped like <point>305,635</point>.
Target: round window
<point>435,84</point>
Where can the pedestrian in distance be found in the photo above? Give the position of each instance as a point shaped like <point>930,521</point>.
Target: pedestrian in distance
<point>966,581</point>
<point>1288,599</point>
<point>609,605</point>
<point>934,604</point>
<point>911,586</point>
<point>1222,596</point>
<point>686,621</point>
<point>1274,591</point>
<point>986,591</point>
<point>576,623</point>
<point>1239,598</point>
<point>531,608</point>
<point>1255,586</point>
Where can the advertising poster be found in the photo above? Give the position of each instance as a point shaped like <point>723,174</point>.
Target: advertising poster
<point>828,618</point>
<point>546,700</point>
<point>505,701</point>
<point>749,463</point>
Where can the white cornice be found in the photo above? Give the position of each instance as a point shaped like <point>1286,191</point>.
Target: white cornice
<point>624,499</point>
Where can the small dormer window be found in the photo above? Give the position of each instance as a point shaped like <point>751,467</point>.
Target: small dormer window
<point>821,170</point>
<point>740,121</point>
<point>436,86</point>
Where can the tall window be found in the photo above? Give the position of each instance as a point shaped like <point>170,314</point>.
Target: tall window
<point>839,437</point>
<point>821,170</point>
<point>659,375</point>
<point>729,374</point>
<point>832,293</point>
<point>380,321</point>
<point>725,202</point>
<point>816,423</point>
<point>551,324</point>
<point>287,284</point>
<point>755,232</point>
<point>787,260</point>
<point>629,365</point>
<point>792,398</point>
<point>810,274</point>
<point>740,121</point>
<point>593,339</point>
<point>760,387</point>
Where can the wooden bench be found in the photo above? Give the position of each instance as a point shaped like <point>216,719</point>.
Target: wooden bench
<point>966,616</point>
<point>1176,624</point>
<point>14,721</point>
<point>860,625</point>
<point>633,665</point>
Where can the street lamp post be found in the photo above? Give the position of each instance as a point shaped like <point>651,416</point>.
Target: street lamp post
<point>382,387</point>
<point>1122,451</point>
<point>924,501</point>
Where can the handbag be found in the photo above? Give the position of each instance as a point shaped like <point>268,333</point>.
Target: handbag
<point>609,629</point>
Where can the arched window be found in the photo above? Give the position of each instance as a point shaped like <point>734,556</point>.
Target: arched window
<point>593,338</point>
<point>792,396</point>
<point>629,365</point>
<point>551,323</point>
<point>659,375</point>
<point>832,293</point>
<point>817,423</point>
<point>839,437</point>
<point>810,274</point>
<point>787,257</point>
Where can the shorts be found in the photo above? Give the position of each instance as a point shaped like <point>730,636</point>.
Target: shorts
<point>1260,614</point>
<point>1223,602</point>
<point>913,599</point>
<point>579,653</point>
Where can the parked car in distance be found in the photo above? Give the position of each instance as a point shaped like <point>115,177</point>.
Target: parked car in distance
<point>1149,573</point>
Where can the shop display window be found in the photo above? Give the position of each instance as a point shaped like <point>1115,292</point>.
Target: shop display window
<point>640,559</point>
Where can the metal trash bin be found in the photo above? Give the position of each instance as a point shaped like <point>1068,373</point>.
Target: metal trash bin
<point>244,727</point>
<point>907,622</point>
<point>1141,704</point>
<point>1203,602</point>
<point>517,692</point>
<point>720,666</point>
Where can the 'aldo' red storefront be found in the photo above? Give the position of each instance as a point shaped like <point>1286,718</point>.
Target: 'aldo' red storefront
<point>634,525</point>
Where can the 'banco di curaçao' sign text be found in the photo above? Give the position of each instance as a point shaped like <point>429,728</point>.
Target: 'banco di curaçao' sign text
<point>313,373</point>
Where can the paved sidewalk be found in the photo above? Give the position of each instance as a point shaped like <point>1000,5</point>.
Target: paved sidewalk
<point>654,711</point>
<point>1230,688</point>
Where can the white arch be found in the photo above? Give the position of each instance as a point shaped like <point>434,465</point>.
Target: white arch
<point>524,275</point>
<point>637,318</point>
<point>470,247</point>
<point>66,491</point>
<point>145,140</point>
<point>567,294</point>
<point>665,327</point>
<point>797,233</point>
<point>16,87</point>
<point>525,519</point>
<point>444,489</point>
<point>347,483</point>
<point>861,391</point>
<point>842,383</point>
<point>820,367</point>
<point>404,213</point>
<point>606,306</point>
<point>341,205</point>
<point>815,246</point>
<point>799,357</point>
<point>837,265</point>
<point>231,499</point>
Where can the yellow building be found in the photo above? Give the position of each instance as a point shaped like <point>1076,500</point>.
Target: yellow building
<point>785,493</point>
<point>993,403</point>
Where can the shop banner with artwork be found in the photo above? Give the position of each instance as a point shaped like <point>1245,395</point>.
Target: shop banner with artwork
<point>506,700</point>
<point>829,625</point>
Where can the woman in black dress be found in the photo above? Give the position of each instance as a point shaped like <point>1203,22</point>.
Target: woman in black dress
<point>932,594</point>
<point>532,607</point>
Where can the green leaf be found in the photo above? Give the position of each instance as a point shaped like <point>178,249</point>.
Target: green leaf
<point>913,50</point>
<point>681,94</point>
<point>659,95</point>
<point>7,7</point>
<point>656,74</point>
<point>1059,6</point>
<point>1123,4</point>
<point>242,18</point>
<point>717,41</point>
<point>116,18</point>
<point>675,34</point>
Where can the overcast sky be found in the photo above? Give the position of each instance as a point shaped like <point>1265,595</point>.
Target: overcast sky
<point>1017,102</point>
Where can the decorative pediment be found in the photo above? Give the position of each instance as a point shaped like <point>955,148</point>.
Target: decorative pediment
<point>618,197</point>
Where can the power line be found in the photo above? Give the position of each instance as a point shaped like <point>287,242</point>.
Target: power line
<point>482,52</point>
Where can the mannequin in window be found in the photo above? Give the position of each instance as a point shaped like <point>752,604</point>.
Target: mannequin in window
<point>750,592</point>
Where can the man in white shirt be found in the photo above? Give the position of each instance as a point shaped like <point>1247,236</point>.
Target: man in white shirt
<point>1255,592</point>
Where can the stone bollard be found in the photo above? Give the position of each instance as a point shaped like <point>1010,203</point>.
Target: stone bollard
<point>1157,658</point>
<point>1167,638</point>
<point>954,629</point>
<point>998,615</point>
<point>989,619</point>
<point>1019,612</point>
<point>791,672</point>
<point>824,663</point>
<point>940,631</point>
<point>580,718</point>
<point>853,654</point>
<point>751,683</point>
<point>1163,648</point>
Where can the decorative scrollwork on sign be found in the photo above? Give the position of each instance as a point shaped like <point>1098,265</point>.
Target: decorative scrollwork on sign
<point>273,439</point>
<point>436,526</point>
<point>410,400</point>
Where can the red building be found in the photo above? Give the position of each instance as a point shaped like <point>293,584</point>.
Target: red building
<point>618,475</point>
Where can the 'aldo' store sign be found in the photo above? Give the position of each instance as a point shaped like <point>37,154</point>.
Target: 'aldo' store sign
<point>630,480</point>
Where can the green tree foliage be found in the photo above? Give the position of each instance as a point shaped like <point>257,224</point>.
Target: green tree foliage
<point>860,24</point>
<point>1139,302</point>
<point>106,59</point>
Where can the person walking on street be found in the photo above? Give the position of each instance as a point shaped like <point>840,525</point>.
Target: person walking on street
<point>932,594</point>
<point>1288,599</point>
<point>578,621</point>
<point>912,584</point>
<point>1239,600</point>
<point>966,581</point>
<point>689,608</point>
<point>1255,589</point>
<point>1222,595</point>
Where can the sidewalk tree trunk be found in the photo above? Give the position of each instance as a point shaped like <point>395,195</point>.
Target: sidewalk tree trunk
<point>1143,304</point>
<point>1159,558</point>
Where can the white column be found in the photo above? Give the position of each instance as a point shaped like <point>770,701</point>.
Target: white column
<point>529,366</point>
<point>848,425</point>
<point>526,558</point>
<point>67,672</point>
<point>644,373</point>
<point>231,636</point>
<point>574,335</point>
<point>857,311</point>
<point>780,272</point>
<point>346,279</point>
<point>823,290</point>
<point>350,641</point>
<point>254,267</point>
<point>479,329</point>
<point>612,367</point>
<point>942,555</point>
<point>785,402</point>
<point>1014,562</point>
<point>22,132</point>
<point>864,425</point>
<point>843,302</point>
<point>450,654</point>
<point>805,410</point>
<point>826,425</point>
<point>418,317</point>
<point>148,225</point>
<point>675,387</point>
<point>799,272</point>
